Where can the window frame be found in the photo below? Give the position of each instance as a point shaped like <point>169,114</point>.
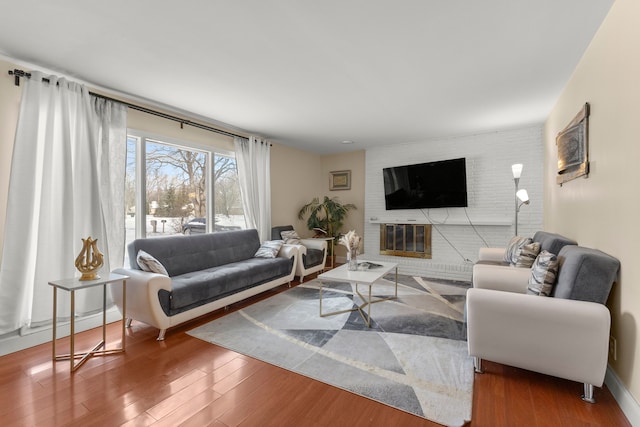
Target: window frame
<point>141,173</point>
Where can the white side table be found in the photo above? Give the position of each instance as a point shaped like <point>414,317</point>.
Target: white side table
<point>72,285</point>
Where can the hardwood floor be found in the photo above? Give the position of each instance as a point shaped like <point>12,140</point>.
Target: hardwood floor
<point>188,382</point>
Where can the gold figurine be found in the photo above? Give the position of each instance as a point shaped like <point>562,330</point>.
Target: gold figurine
<point>89,260</point>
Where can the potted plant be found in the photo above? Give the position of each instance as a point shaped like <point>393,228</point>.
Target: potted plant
<point>327,215</point>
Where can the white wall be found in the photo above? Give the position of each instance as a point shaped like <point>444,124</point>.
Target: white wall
<point>295,180</point>
<point>490,190</point>
<point>353,161</point>
<point>602,210</point>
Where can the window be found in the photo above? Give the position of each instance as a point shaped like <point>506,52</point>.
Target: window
<point>170,191</point>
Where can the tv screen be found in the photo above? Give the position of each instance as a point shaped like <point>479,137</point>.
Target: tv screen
<point>426,185</point>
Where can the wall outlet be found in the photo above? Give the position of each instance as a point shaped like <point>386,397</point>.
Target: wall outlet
<point>613,348</point>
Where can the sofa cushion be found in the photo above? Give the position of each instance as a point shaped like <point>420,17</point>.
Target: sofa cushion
<point>147,262</point>
<point>512,252</point>
<point>290,237</point>
<point>528,255</point>
<point>552,242</point>
<point>585,274</point>
<point>543,274</point>
<point>269,249</point>
<point>312,258</point>
<point>183,254</point>
<point>200,287</point>
<point>276,232</point>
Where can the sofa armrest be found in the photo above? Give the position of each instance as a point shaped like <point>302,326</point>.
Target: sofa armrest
<point>501,278</point>
<point>314,244</point>
<point>142,296</point>
<point>554,336</point>
<point>288,251</point>
<point>491,254</point>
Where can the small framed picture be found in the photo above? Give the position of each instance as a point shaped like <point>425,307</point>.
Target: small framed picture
<point>340,180</point>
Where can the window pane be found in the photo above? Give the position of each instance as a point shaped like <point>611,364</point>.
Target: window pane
<point>175,189</point>
<point>229,214</point>
<point>176,185</point>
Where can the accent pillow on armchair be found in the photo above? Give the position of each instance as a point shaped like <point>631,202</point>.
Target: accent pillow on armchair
<point>514,248</point>
<point>528,255</point>
<point>543,274</point>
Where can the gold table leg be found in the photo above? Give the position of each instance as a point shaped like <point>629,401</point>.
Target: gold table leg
<point>124,310</point>
<point>54,323</point>
<point>95,351</point>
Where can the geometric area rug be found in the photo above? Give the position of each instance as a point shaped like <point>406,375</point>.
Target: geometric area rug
<point>413,357</point>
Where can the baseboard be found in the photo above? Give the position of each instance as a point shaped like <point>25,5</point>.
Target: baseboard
<point>625,400</point>
<point>13,343</point>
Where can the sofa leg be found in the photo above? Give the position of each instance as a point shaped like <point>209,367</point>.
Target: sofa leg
<point>161,334</point>
<point>301,279</point>
<point>588,393</point>
<point>127,322</point>
<point>477,365</point>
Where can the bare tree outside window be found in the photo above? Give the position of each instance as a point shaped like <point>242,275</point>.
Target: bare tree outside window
<point>176,188</point>
<point>181,172</point>
<point>226,187</point>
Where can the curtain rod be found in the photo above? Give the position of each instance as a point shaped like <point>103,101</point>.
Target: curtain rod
<point>20,73</point>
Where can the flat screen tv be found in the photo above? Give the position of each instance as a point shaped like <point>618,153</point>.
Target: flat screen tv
<point>441,184</point>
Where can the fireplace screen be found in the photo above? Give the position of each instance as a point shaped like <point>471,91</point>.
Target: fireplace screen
<point>407,240</point>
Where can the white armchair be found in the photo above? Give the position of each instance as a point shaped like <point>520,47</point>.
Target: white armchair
<point>305,266</point>
<point>491,269</point>
<point>565,335</point>
<point>312,256</point>
<point>491,255</point>
<point>551,242</point>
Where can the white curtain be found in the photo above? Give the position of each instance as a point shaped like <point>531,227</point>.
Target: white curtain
<point>67,183</point>
<point>254,173</point>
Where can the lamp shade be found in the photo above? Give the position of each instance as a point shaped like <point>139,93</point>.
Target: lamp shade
<point>523,195</point>
<point>517,170</point>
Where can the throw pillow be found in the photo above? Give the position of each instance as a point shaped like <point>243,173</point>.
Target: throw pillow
<point>290,237</point>
<point>147,262</point>
<point>543,274</point>
<point>528,255</point>
<point>514,247</point>
<point>269,249</point>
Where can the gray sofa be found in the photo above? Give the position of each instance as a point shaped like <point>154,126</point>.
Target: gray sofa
<point>205,272</point>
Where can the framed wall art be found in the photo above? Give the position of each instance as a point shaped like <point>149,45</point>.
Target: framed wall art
<point>573,148</point>
<point>340,180</point>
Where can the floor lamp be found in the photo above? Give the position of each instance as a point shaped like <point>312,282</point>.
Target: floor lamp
<point>521,196</point>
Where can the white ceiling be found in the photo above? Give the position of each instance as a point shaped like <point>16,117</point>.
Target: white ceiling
<point>314,73</point>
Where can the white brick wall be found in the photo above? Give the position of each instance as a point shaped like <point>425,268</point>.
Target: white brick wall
<point>490,190</point>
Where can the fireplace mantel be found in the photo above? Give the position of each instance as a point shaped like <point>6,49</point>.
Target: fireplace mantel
<point>496,221</point>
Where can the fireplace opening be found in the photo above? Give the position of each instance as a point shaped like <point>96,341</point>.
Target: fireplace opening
<point>406,240</point>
